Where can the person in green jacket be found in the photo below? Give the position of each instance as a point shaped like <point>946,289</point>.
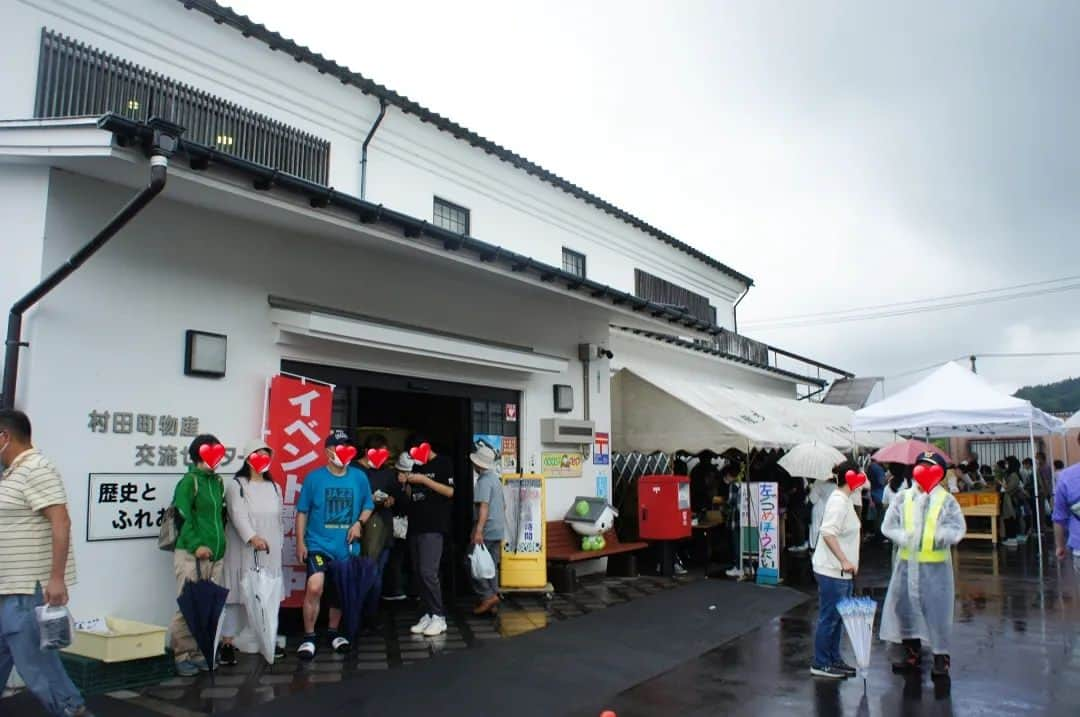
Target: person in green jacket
<point>200,546</point>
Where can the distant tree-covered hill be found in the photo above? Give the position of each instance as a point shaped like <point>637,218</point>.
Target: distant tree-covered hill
<point>1059,397</point>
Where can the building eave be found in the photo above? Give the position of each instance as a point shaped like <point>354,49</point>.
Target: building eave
<point>275,41</point>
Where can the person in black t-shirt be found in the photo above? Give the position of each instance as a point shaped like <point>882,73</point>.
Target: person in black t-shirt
<point>430,490</point>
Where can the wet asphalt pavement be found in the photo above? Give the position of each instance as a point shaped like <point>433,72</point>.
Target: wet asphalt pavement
<point>1015,651</point>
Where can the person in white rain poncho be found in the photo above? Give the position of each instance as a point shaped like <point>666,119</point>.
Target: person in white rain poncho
<point>924,522</point>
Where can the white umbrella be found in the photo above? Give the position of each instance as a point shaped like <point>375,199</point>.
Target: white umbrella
<point>262,590</point>
<point>811,460</point>
<point>858,616</point>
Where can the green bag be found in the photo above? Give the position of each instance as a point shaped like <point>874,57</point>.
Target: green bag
<point>376,533</point>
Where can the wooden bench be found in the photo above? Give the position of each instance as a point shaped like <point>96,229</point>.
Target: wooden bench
<point>564,551</point>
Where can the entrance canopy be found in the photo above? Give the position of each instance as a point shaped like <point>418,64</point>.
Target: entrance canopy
<point>652,411</point>
<point>955,402</point>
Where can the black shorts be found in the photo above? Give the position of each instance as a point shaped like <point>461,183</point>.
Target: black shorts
<point>320,563</point>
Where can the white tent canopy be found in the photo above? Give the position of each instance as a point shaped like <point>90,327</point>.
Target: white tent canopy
<point>953,401</point>
<point>656,412</point>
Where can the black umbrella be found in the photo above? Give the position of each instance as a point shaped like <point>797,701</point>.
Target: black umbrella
<point>201,603</point>
<point>354,578</point>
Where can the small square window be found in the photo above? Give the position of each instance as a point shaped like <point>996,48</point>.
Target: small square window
<point>450,217</point>
<point>573,263</point>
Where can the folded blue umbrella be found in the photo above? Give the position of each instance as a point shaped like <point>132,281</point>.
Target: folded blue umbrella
<point>202,602</point>
<point>354,578</point>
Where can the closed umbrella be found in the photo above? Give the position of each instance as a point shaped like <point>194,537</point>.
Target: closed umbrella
<point>202,603</point>
<point>858,616</point>
<point>907,452</point>
<point>811,460</point>
<point>354,578</point>
<point>263,589</point>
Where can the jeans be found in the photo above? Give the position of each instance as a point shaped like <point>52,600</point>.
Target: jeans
<point>427,549</point>
<point>490,587</point>
<point>41,670</point>
<point>393,579</point>
<point>830,627</point>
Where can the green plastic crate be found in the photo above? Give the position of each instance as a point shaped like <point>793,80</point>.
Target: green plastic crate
<point>94,677</point>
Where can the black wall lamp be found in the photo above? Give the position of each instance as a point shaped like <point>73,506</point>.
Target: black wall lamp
<point>204,354</point>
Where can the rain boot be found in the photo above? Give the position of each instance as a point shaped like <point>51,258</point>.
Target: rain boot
<point>911,660</point>
<point>940,670</point>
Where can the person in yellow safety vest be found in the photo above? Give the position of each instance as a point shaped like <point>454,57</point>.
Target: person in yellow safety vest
<point>924,522</point>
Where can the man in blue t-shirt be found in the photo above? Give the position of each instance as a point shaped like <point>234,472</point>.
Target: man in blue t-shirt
<point>335,503</point>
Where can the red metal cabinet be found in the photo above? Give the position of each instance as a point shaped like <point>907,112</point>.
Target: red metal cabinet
<point>664,507</point>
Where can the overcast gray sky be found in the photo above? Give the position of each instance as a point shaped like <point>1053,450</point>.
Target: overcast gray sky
<point>843,154</point>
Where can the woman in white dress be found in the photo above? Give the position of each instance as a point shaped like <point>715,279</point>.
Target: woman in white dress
<point>255,526</point>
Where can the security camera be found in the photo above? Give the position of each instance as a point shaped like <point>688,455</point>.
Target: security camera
<point>605,353</point>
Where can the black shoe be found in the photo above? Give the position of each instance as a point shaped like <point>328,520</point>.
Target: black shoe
<point>911,661</point>
<point>847,669</point>
<point>340,645</point>
<point>227,655</point>
<point>940,670</point>
<point>830,673</point>
<point>279,652</point>
<point>307,649</point>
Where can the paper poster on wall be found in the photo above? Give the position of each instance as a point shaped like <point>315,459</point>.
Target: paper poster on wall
<point>298,423</point>
<point>601,449</point>
<point>509,454</point>
<point>559,464</point>
<point>511,412</point>
<point>128,506</point>
<point>601,486</point>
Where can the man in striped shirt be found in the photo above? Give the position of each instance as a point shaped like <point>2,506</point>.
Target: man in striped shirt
<point>36,565</point>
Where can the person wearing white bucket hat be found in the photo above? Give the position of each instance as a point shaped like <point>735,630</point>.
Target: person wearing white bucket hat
<point>490,527</point>
<point>253,501</point>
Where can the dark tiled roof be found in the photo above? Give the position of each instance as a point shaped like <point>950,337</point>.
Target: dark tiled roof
<point>676,341</point>
<point>249,28</point>
<point>132,133</point>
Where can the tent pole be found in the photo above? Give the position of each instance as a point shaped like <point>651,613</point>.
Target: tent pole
<point>1038,508</point>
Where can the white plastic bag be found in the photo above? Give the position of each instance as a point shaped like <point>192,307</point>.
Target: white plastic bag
<point>401,527</point>
<point>481,563</point>
<point>55,625</point>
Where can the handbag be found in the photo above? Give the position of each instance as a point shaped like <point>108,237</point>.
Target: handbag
<point>481,564</point>
<point>171,524</point>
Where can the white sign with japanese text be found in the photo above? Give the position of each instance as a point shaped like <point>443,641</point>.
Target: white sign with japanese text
<point>127,506</point>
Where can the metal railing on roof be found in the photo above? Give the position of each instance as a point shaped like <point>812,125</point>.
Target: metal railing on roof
<point>76,80</point>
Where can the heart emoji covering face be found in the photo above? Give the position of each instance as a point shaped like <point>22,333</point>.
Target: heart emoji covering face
<point>421,453</point>
<point>928,476</point>
<point>378,456</point>
<point>854,480</point>
<point>345,454</point>
<point>211,454</point>
<point>259,462</point>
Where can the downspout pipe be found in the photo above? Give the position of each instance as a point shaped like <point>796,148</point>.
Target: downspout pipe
<point>735,307</point>
<point>363,148</point>
<point>166,137</point>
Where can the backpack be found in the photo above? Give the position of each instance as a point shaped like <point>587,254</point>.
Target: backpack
<point>171,524</point>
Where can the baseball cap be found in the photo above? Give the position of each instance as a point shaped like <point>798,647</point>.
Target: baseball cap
<point>338,437</point>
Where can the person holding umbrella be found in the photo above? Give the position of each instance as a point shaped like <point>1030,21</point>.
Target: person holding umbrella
<point>924,522</point>
<point>200,546</point>
<point>836,563</point>
<point>254,533</point>
<point>334,504</point>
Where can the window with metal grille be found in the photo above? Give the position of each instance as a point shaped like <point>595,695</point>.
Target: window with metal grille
<point>653,288</point>
<point>450,217</point>
<point>76,80</point>
<point>573,262</point>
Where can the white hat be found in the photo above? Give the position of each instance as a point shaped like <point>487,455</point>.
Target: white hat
<point>483,457</point>
<point>256,444</point>
<point>405,462</point>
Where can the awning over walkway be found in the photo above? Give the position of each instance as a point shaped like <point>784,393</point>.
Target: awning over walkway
<point>654,412</point>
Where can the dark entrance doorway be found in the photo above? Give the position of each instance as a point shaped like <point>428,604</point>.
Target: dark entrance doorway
<point>449,414</point>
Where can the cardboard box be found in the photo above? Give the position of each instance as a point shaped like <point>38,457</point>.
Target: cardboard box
<point>126,640</point>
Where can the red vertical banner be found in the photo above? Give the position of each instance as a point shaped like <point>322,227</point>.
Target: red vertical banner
<point>298,423</point>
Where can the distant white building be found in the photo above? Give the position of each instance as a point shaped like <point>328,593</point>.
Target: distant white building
<point>446,284</point>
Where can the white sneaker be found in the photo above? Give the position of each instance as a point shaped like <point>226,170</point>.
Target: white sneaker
<point>1021,539</point>
<point>679,569</point>
<point>418,628</point>
<point>1009,543</point>
<point>436,626</point>
<point>735,572</point>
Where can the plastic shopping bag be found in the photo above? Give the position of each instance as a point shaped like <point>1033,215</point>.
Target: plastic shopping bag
<point>481,563</point>
<point>55,625</point>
